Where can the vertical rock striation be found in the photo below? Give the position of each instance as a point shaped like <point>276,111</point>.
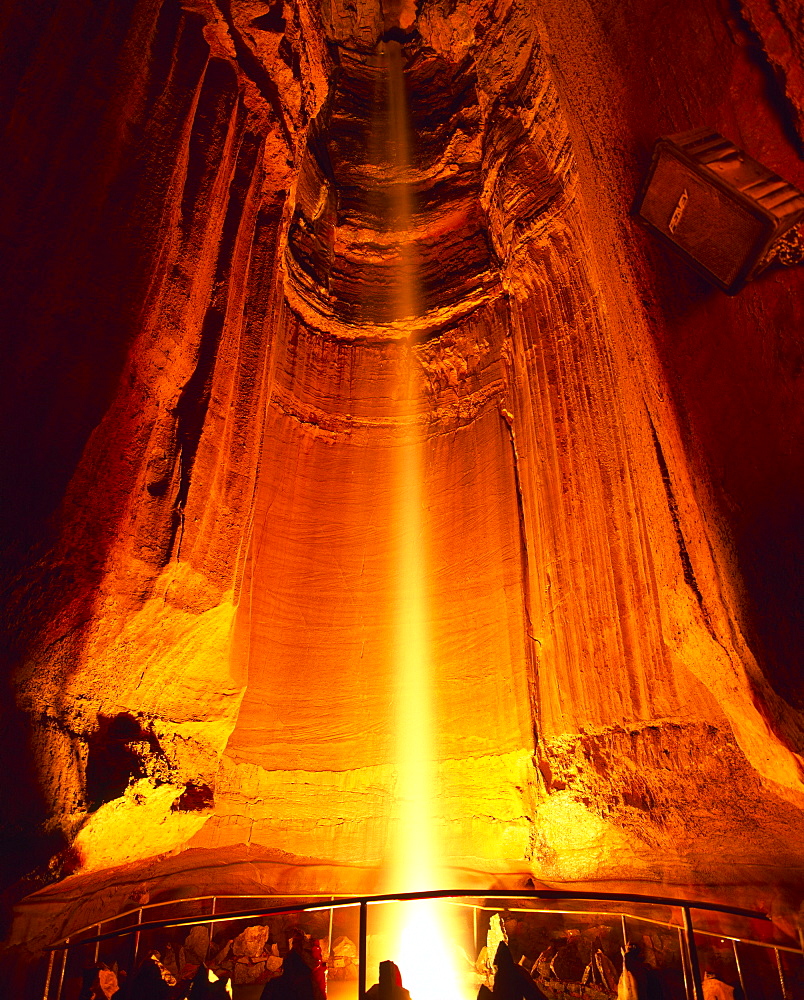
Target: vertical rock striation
<point>202,560</point>
<point>169,329</point>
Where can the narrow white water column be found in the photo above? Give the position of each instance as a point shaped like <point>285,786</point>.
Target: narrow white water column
<point>413,852</point>
<point>420,938</point>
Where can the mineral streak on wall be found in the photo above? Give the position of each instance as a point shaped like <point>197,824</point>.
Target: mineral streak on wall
<point>204,353</point>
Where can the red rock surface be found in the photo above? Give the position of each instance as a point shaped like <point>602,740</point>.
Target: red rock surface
<point>203,347</point>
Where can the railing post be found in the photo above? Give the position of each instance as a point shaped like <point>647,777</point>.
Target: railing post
<point>781,973</point>
<point>625,931</point>
<point>362,952</point>
<point>211,926</point>
<point>97,944</point>
<point>46,990</point>
<point>63,968</point>
<point>682,948</point>
<point>692,951</point>
<point>739,968</point>
<point>136,940</point>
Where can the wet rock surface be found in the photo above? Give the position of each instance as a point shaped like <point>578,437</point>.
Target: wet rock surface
<point>344,245</point>
<point>203,346</point>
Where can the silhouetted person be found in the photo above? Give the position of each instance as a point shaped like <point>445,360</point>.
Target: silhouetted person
<point>202,988</point>
<point>148,983</point>
<point>390,985</point>
<point>295,983</point>
<point>319,970</point>
<point>511,981</point>
<point>122,986</point>
<point>89,985</point>
<point>638,981</point>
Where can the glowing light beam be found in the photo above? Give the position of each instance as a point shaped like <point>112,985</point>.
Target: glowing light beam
<point>420,933</point>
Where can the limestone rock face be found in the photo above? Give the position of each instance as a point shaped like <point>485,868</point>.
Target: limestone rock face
<point>206,342</point>
<point>343,245</point>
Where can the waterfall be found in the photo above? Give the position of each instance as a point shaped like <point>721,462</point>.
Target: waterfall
<point>418,933</point>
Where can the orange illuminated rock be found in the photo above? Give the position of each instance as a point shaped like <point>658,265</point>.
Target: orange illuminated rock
<point>206,650</point>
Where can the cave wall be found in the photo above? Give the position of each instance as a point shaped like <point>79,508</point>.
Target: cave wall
<point>139,327</point>
<point>200,357</point>
<point>730,365</point>
<point>733,366</point>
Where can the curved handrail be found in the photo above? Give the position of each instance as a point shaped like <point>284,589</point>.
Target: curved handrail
<point>332,903</point>
<point>197,899</point>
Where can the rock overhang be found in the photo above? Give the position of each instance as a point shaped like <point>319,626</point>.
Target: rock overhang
<point>344,244</point>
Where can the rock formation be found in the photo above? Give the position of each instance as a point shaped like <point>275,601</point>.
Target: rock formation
<point>202,351</point>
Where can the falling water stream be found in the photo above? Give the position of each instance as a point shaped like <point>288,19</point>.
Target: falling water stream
<point>413,850</point>
<point>419,934</point>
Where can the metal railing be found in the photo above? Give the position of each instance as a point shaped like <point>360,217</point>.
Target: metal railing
<point>686,930</point>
